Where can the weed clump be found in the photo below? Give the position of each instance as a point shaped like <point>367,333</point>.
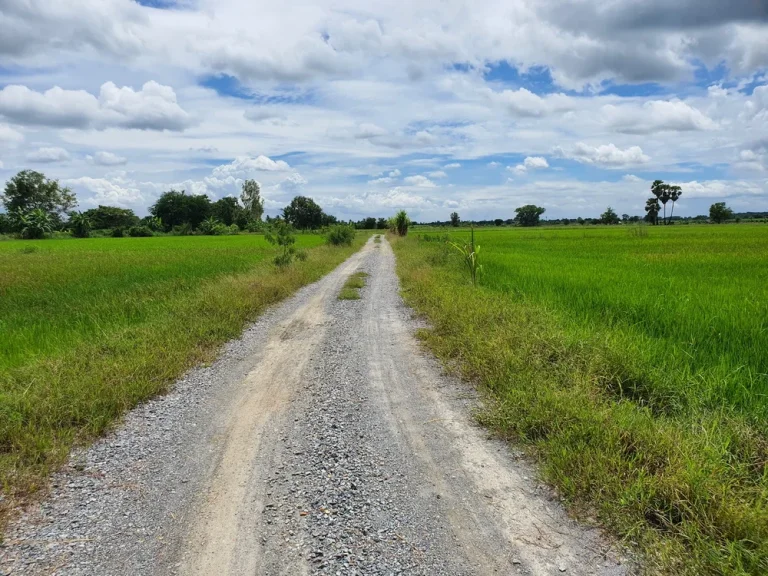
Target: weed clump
<point>340,235</point>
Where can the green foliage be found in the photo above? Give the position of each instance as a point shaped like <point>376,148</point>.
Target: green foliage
<point>664,193</point>
<point>6,224</point>
<point>303,213</point>
<point>455,220</point>
<point>652,209</point>
<point>105,217</point>
<point>118,233</point>
<point>529,215</point>
<point>229,212</point>
<point>470,254</point>
<point>642,386</point>
<point>381,224</point>
<point>175,208</point>
<point>79,224</point>
<point>719,213</point>
<point>609,216</point>
<point>153,223</point>
<point>30,190</point>
<point>212,227</point>
<point>281,234</point>
<point>34,224</point>
<point>340,235</point>
<point>399,223</point>
<point>184,229</point>
<point>139,232</point>
<point>251,198</point>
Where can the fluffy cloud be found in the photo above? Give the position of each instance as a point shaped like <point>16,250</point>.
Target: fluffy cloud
<point>106,159</point>
<point>365,131</point>
<point>530,163</point>
<point>388,179</point>
<point>8,134</point>
<point>48,154</point>
<point>95,191</point>
<point>656,116</point>
<point>437,174</point>
<point>757,106</point>
<point>607,155</point>
<point>154,107</point>
<point>419,181</point>
<point>246,167</point>
<point>452,165</point>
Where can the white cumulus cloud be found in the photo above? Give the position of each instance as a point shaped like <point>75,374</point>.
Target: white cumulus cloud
<point>48,155</point>
<point>246,166</point>
<point>106,159</point>
<point>154,107</point>
<point>606,155</point>
<point>656,116</point>
<point>419,181</point>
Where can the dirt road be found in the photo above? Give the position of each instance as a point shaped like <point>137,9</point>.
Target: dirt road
<point>322,442</point>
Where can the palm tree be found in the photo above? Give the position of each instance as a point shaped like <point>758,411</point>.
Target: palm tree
<point>652,208</point>
<point>674,194</point>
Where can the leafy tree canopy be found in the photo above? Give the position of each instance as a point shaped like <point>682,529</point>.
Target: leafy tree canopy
<point>175,208</point>
<point>111,217</point>
<point>303,213</point>
<point>719,212</point>
<point>529,215</point>
<point>30,190</point>
<point>610,216</point>
<point>251,198</point>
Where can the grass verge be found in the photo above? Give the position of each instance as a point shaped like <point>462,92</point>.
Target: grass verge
<point>351,288</point>
<point>683,481</point>
<point>106,323</point>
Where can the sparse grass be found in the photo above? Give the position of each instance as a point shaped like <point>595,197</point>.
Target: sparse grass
<point>636,366</point>
<point>351,288</point>
<point>377,239</point>
<point>89,328</point>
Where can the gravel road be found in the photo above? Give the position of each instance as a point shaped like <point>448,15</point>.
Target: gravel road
<point>324,441</point>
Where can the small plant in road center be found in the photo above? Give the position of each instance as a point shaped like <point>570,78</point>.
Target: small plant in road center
<point>469,252</point>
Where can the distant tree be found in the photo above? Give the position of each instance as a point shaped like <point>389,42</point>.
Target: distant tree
<point>228,211</point>
<point>674,194</point>
<point>652,210</point>
<point>303,213</point>
<point>565,221</point>
<point>175,208</point>
<point>455,220</point>
<point>30,190</point>
<point>328,220</point>
<point>251,198</point>
<point>105,217</point>
<point>625,218</point>
<point>381,224</point>
<point>719,212</point>
<point>580,220</point>
<point>152,222</point>
<point>609,216</point>
<point>498,222</point>
<point>366,224</point>
<point>79,224</point>
<point>529,215</point>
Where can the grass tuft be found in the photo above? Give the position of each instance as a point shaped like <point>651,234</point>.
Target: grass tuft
<point>351,288</point>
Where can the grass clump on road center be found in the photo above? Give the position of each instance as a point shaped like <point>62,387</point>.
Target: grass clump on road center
<point>89,328</point>
<point>635,366</point>
<point>351,288</point>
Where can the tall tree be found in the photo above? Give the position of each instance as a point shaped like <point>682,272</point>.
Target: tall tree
<point>251,198</point>
<point>30,190</point>
<point>609,216</point>
<point>228,211</point>
<point>652,210</point>
<point>529,215</point>
<point>719,212</point>
<point>674,194</point>
<point>303,213</point>
<point>455,220</point>
<point>174,208</point>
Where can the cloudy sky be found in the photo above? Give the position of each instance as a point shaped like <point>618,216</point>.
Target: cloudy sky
<point>433,106</point>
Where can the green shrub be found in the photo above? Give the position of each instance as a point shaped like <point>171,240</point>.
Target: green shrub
<point>184,229</point>
<point>118,233</point>
<point>139,232</point>
<point>79,224</point>
<point>340,235</point>
<point>33,225</point>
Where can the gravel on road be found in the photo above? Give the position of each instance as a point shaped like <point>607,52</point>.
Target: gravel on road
<point>323,441</point>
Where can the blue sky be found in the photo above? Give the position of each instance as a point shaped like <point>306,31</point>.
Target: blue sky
<point>429,106</point>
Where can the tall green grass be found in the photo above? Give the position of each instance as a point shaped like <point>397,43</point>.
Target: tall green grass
<point>90,327</point>
<point>635,363</point>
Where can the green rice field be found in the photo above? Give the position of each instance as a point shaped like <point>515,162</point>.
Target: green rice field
<point>633,359</point>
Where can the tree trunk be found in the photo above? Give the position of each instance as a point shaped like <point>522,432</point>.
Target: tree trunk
<point>671,212</point>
